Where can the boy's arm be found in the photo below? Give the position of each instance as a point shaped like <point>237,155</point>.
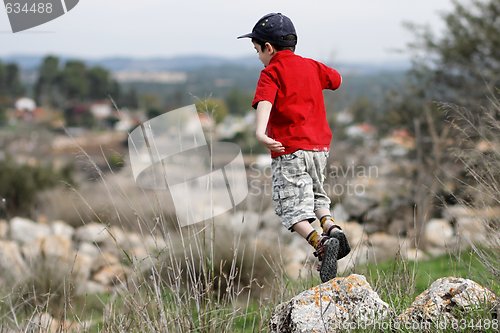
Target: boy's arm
<point>263,112</point>
<point>330,78</point>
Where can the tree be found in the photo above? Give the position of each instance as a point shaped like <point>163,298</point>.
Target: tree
<point>74,81</point>
<point>13,77</point>
<point>46,84</point>
<point>101,85</point>
<point>238,102</point>
<point>214,107</point>
<point>10,81</point>
<point>130,99</point>
<point>364,110</point>
<point>461,66</point>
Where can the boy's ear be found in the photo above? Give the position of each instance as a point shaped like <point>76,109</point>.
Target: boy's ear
<point>269,48</point>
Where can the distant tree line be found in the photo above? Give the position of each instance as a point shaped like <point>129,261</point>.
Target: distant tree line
<point>59,84</point>
<point>10,87</point>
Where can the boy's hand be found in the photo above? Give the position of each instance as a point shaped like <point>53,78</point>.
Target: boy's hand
<point>271,144</point>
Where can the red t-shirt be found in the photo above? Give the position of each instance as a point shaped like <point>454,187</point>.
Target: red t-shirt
<point>294,85</point>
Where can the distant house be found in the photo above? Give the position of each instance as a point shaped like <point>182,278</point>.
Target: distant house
<point>231,126</point>
<point>362,131</point>
<point>25,104</point>
<point>101,110</point>
<point>153,76</point>
<point>344,117</point>
<point>398,143</point>
<point>26,110</point>
<point>126,121</point>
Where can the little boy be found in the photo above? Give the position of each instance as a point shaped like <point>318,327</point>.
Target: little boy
<point>291,123</point>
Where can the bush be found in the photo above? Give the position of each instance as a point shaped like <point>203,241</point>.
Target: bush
<point>19,185</point>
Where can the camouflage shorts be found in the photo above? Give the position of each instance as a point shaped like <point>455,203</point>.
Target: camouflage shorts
<point>298,186</point>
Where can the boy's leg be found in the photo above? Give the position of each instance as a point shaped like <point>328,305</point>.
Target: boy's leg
<point>317,169</point>
<point>293,200</point>
<point>305,229</point>
<point>331,229</point>
<point>326,249</point>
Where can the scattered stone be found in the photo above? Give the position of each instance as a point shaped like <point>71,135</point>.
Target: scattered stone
<point>62,229</point>
<point>4,229</point>
<point>446,301</point>
<point>356,206</point>
<point>134,240</point>
<point>154,244</point>
<point>472,230</point>
<point>92,233</point>
<point>88,249</point>
<point>111,275</point>
<point>398,228</point>
<point>104,259</point>
<point>25,231</point>
<point>245,222</point>
<point>385,246</point>
<point>339,213</point>
<point>12,266</point>
<point>354,232</point>
<point>58,246</point>
<point>81,271</point>
<point>456,211</point>
<point>44,322</point>
<point>295,270</point>
<point>439,232</point>
<point>52,249</point>
<point>92,288</point>
<point>360,254</point>
<point>413,254</point>
<point>118,239</point>
<point>329,307</point>
<point>377,219</point>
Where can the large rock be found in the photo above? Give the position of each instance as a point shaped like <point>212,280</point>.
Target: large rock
<point>13,269</point>
<point>25,231</point>
<point>330,306</point>
<point>445,301</point>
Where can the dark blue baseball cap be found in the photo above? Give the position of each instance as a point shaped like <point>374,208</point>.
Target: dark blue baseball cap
<point>273,28</point>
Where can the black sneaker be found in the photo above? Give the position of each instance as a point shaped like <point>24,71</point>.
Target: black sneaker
<point>336,232</point>
<point>327,252</point>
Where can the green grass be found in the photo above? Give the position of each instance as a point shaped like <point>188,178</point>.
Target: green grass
<point>398,282</point>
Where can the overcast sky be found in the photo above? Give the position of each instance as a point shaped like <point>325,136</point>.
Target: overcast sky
<point>347,30</point>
